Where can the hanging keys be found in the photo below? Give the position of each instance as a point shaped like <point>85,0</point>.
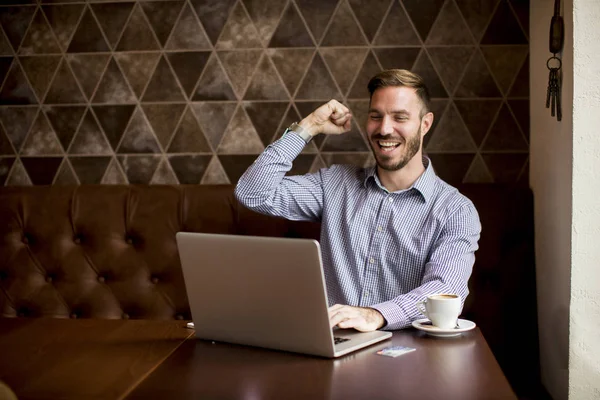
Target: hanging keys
<point>553,93</point>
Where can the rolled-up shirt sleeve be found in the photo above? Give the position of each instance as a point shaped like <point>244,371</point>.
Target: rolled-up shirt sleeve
<point>447,270</point>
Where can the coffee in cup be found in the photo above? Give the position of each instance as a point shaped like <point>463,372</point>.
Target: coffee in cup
<point>441,309</point>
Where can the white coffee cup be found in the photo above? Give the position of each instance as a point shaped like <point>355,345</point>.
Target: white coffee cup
<point>441,309</point>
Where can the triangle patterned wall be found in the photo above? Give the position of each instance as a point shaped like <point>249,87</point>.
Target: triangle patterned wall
<point>191,91</point>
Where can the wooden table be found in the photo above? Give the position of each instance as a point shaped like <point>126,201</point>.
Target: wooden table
<point>102,359</point>
<point>45,358</point>
<point>460,368</point>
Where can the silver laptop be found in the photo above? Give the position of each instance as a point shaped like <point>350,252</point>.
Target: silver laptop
<point>265,292</point>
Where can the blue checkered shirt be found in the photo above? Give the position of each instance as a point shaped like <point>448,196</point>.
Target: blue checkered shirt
<point>379,249</point>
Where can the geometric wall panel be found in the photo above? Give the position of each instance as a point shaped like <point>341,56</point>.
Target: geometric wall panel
<point>163,85</point>
<point>162,16</point>
<point>163,118</point>
<point>39,38</point>
<point>398,29</point>
<point>63,20</point>
<point>343,30</point>
<point>451,135</point>
<point>450,62</point>
<point>477,14</point>
<point>18,175</point>
<point>113,87</point>
<point>64,88</point>
<point>188,66</point>
<point>17,122</point>
<point>187,33</point>
<point>215,175</point>
<point>505,62</point>
<point>39,71</point>
<point>265,84</point>
<point>113,120</point>
<point>6,164</point>
<point>15,22</point>
<point>41,170</point>
<point>5,49</point>
<point>41,139</point>
<point>112,18</point>
<point>214,118</point>
<point>318,83</point>
<point>423,14</point>
<point>369,14</point>
<point>189,136</point>
<point>137,69</point>
<point>137,34</point>
<point>16,89</point>
<point>65,175</point>
<point>291,65</point>
<point>265,15</point>
<point>88,37</point>
<point>88,69</point>
<point>291,31</point>
<point>504,27</point>
<point>138,138</point>
<point>191,91</point>
<point>449,28</point>
<point>89,170</point>
<point>477,80</point>
<point>89,139</point>
<point>505,134</point>
<point>164,175</point>
<point>240,67</point>
<point>369,68</point>
<point>139,169</point>
<point>65,121</point>
<point>239,31</point>
<point>265,117</point>
<point>213,15</point>
<point>342,63</point>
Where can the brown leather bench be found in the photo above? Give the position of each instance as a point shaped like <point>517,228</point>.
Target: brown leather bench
<point>110,252</point>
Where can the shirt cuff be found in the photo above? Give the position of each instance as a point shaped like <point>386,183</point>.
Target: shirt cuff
<point>290,144</point>
<point>394,316</point>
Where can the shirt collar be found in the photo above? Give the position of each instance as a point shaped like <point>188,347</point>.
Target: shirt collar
<point>425,184</point>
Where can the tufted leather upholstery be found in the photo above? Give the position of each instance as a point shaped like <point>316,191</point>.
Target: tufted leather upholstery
<point>102,251</point>
<point>110,252</point>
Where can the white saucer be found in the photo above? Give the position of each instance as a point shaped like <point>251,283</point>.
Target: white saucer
<point>463,326</point>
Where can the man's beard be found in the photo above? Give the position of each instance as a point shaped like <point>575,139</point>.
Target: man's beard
<point>412,146</point>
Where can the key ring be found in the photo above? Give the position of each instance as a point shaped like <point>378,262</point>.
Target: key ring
<point>551,59</point>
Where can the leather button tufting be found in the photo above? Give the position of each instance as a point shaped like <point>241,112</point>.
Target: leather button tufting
<point>49,279</point>
<point>77,240</point>
<point>129,240</point>
<point>154,280</point>
<point>74,315</point>
<point>101,279</point>
<point>179,317</point>
<point>21,315</point>
<point>25,239</point>
<point>125,316</point>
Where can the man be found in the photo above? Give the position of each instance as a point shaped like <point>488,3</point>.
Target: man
<point>390,235</point>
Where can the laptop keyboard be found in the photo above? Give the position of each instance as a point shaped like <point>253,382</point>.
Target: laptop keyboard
<point>338,340</point>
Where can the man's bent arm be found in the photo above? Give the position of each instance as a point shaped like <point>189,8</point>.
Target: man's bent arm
<point>447,271</point>
<point>264,187</point>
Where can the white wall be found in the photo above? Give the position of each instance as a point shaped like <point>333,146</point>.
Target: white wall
<point>564,174</point>
<point>584,349</point>
<point>551,152</point>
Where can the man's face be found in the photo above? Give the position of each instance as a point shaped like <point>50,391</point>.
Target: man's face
<point>395,128</point>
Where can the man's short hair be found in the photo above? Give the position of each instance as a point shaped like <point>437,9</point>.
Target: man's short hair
<point>399,78</point>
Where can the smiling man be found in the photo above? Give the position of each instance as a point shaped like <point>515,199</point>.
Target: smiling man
<point>391,234</point>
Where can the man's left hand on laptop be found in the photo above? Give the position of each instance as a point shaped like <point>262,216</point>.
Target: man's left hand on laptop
<point>362,319</point>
